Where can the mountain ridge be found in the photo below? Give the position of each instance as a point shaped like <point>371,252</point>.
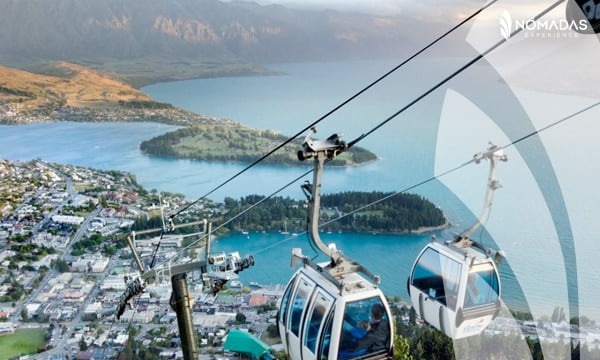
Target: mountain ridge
<point>207,31</point>
<point>73,92</point>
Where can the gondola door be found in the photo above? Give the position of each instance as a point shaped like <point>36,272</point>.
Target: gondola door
<point>297,310</point>
<point>321,305</point>
<point>436,279</point>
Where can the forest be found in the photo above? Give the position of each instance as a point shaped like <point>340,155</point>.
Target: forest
<point>401,213</point>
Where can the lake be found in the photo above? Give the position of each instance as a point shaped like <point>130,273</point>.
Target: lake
<point>436,135</point>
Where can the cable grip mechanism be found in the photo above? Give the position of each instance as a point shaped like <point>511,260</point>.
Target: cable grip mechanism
<point>331,147</point>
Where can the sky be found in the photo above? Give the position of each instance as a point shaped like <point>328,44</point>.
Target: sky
<point>379,7</point>
<point>441,11</point>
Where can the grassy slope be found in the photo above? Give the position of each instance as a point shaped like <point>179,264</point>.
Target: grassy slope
<point>237,143</point>
<point>69,85</point>
<point>25,341</point>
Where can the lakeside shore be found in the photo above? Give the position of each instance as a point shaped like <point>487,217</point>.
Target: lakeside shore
<point>426,229</point>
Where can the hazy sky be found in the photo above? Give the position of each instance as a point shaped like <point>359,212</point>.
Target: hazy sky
<point>382,7</point>
<point>441,11</point>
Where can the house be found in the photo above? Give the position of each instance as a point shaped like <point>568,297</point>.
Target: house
<point>68,219</point>
<point>7,327</point>
<point>84,355</point>
<point>257,300</point>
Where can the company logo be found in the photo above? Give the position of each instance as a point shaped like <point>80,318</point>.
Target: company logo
<point>541,28</point>
<point>505,25</point>
<point>577,10</point>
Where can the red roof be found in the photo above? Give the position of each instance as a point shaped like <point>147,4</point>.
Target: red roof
<point>257,300</point>
<point>83,355</point>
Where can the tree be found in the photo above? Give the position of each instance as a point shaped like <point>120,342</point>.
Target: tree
<point>272,331</point>
<point>401,348</point>
<point>82,344</point>
<point>62,266</point>
<point>412,316</point>
<point>240,318</point>
<point>131,347</point>
<point>24,314</point>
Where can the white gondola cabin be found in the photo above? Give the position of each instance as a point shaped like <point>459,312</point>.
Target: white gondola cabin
<point>454,287</point>
<point>318,320</point>
<point>330,311</point>
<point>456,290</point>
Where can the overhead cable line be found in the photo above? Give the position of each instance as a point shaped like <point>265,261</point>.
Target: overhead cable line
<point>192,244</point>
<point>406,107</point>
<point>437,176</point>
<point>344,103</point>
<point>454,74</point>
<point>456,168</point>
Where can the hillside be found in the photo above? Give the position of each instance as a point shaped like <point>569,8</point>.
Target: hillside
<point>74,92</point>
<point>211,30</point>
<point>72,85</point>
<point>234,142</point>
<point>155,40</point>
<point>403,213</point>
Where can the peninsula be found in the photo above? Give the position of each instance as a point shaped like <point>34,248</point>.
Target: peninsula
<point>70,92</point>
<point>229,141</point>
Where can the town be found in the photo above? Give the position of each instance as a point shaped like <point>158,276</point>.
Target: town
<point>64,261</point>
<point>16,113</point>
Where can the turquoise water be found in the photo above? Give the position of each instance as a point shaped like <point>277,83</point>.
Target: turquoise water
<point>391,256</point>
<point>433,136</point>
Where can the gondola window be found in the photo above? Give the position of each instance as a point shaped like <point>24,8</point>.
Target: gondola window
<point>438,276</point>
<point>314,324</point>
<point>482,288</point>
<point>362,331</point>
<point>302,295</point>
<point>284,303</point>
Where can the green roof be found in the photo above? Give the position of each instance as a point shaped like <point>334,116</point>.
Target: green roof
<point>225,299</point>
<point>244,342</point>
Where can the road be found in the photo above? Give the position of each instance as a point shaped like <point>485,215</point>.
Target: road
<point>70,192</point>
<point>52,273</point>
<point>59,348</point>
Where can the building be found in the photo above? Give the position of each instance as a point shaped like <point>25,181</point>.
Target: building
<point>100,265</point>
<point>95,264</point>
<point>93,310</point>
<point>32,308</point>
<point>7,327</point>
<point>68,219</point>
<point>168,241</point>
<point>114,282</point>
<point>257,300</point>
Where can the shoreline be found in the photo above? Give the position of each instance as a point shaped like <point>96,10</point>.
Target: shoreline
<point>425,229</point>
<point>420,231</point>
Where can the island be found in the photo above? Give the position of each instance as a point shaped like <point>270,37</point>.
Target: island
<point>229,141</point>
<point>71,92</point>
<point>403,213</point>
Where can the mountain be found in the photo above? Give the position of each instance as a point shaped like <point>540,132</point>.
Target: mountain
<point>122,32</point>
<point>73,92</point>
<point>71,86</point>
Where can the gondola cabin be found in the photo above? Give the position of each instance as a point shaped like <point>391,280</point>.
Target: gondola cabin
<point>456,290</point>
<point>319,320</point>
